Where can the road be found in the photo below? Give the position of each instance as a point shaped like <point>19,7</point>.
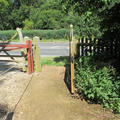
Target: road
<point>54,49</point>
<point>49,50</point>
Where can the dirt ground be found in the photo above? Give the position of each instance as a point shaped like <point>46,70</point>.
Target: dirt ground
<point>46,97</point>
<point>12,84</point>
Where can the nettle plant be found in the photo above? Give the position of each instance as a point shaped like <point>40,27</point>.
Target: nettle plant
<point>99,83</point>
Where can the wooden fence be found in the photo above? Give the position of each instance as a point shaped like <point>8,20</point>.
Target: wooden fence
<point>86,45</point>
<point>90,45</point>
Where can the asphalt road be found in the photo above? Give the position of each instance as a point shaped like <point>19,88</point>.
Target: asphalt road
<point>54,49</point>
<point>49,50</point>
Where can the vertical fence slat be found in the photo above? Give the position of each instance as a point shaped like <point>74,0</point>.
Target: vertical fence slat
<point>82,47</point>
<point>86,46</point>
<point>90,45</point>
<point>98,47</point>
<point>94,44</point>
<point>111,48</point>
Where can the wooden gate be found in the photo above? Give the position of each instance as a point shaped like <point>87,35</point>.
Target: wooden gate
<point>5,47</point>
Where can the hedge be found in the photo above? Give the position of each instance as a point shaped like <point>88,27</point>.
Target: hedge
<point>43,34</point>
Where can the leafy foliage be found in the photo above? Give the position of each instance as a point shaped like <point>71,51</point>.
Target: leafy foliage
<point>98,82</point>
<point>45,19</point>
<point>95,15</point>
<point>3,13</point>
<point>88,17</point>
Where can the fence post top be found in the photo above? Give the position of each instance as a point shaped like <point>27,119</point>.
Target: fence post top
<point>26,37</point>
<point>71,26</point>
<point>18,29</point>
<point>36,37</point>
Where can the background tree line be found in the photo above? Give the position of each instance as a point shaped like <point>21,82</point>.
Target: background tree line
<point>89,17</point>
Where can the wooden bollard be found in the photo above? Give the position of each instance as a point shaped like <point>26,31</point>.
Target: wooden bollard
<point>37,61</point>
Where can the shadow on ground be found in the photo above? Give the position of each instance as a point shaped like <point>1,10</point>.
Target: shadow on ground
<point>6,66</point>
<point>4,114</point>
<point>65,60</point>
<point>67,78</point>
<point>62,59</point>
<point>10,116</point>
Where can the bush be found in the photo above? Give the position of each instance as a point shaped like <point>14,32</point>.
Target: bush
<point>6,35</point>
<point>43,34</point>
<point>99,83</point>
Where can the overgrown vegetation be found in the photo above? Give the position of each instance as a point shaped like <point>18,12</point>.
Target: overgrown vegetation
<point>99,81</point>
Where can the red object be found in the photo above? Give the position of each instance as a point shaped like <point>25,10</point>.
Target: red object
<point>30,57</point>
<point>14,45</point>
<point>27,46</point>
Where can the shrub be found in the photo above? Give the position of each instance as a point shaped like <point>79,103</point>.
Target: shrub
<point>6,35</point>
<point>43,34</point>
<point>99,83</point>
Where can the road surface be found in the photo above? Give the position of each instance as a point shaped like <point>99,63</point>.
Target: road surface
<point>49,50</point>
<point>54,49</point>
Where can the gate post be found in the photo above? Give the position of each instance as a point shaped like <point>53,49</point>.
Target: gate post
<point>37,54</point>
<point>72,59</point>
<point>30,57</point>
<point>20,34</point>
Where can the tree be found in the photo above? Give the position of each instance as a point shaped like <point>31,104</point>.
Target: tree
<point>3,14</point>
<point>48,16</point>
<point>89,15</point>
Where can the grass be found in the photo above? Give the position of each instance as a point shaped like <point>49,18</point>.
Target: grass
<point>15,40</point>
<point>54,40</point>
<point>43,40</point>
<point>55,61</point>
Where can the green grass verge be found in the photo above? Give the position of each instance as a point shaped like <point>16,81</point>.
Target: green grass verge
<point>43,40</point>
<point>54,40</point>
<point>55,61</point>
